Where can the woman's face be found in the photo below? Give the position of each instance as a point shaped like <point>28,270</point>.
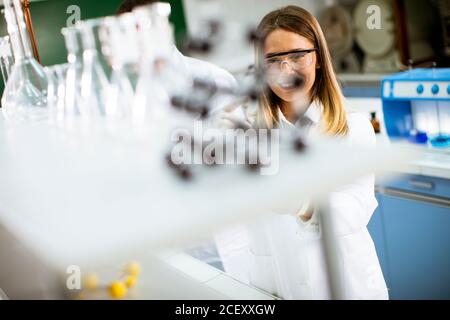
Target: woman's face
<point>291,72</point>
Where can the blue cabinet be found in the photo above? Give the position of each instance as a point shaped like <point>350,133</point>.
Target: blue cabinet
<point>376,229</point>
<point>411,231</point>
<point>417,235</point>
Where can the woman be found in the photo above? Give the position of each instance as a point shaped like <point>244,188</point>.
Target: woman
<point>284,255</point>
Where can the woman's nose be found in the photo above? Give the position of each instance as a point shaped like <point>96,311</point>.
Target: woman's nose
<point>285,66</point>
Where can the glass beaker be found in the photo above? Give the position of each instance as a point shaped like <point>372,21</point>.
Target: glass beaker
<point>25,95</point>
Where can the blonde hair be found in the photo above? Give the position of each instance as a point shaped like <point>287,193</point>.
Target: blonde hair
<point>326,88</point>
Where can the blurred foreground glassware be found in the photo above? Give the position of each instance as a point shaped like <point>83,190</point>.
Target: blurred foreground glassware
<point>56,93</point>
<point>119,45</point>
<point>25,95</point>
<point>156,39</point>
<point>6,58</point>
<point>96,98</point>
<point>73,103</point>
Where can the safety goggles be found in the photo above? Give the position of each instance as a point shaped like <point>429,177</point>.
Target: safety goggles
<point>296,59</point>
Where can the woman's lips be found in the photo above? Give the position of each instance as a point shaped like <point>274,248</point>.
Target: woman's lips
<point>287,87</point>
<point>291,83</point>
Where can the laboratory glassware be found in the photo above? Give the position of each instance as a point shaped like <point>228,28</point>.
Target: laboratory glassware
<point>152,99</point>
<point>169,70</point>
<point>25,95</point>
<point>73,103</point>
<point>131,55</point>
<point>95,87</point>
<point>52,86</point>
<point>56,93</point>
<point>6,58</point>
<point>119,46</point>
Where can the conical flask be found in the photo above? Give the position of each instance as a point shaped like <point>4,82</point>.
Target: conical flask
<point>73,103</point>
<point>25,95</point>
<point>119,46</point>
<point>95,87</point>
<point>152,99</point>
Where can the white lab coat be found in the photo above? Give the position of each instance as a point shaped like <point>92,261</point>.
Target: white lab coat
<point>284,256</point>
<point>195,68</point>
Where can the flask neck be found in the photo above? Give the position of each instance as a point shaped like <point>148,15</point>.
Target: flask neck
<point>17,30</point>
<point>72,39</point>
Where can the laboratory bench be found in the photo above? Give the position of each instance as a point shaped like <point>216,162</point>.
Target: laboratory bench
<point>166,275</point>
<point>410,230</point>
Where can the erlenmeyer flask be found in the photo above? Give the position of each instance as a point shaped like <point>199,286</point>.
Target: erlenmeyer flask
<point>130,52</point>
<point>95,87</point>
<point>56,93</point>
<point>25,95</point>
<point>73,103</point>
<point>51,88</point>
<point>172,74</point>
<point>152,97</point>
<point>119,46</point>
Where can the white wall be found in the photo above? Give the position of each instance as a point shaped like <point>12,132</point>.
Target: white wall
<point>233,52</point>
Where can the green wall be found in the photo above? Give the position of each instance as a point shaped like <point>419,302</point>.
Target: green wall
<point>49,16</point>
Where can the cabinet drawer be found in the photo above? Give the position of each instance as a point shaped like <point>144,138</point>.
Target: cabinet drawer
<point>430,186</point>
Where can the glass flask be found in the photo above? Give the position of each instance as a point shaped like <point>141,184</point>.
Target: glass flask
<point>25,95</point>
<point>56,93</point>
<point>131,55</point>
<point>73,104</point>
<point>119,46</point>
<point>6,58</point>
<point>52,86</point>
<point>96,98</point>
<point>152,98</point>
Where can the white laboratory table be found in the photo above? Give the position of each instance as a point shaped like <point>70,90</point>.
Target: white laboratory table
<point>429,161</point>
<point>170,274</point>
<point>94,199</point>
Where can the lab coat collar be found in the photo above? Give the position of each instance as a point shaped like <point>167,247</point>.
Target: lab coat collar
<point>313,113</point>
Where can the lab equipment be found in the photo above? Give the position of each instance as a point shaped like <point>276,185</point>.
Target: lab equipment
<point>151,98</point>
<point>95,86</point>
<point>25,95</point>
<point>56,92</point>
<point>162,76</point>
<point>375,122</point>
<point>6,58</point>
<point>73,103</point>
<point>128,67</point>
<point>416,105</point>
<point>119,46</point>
